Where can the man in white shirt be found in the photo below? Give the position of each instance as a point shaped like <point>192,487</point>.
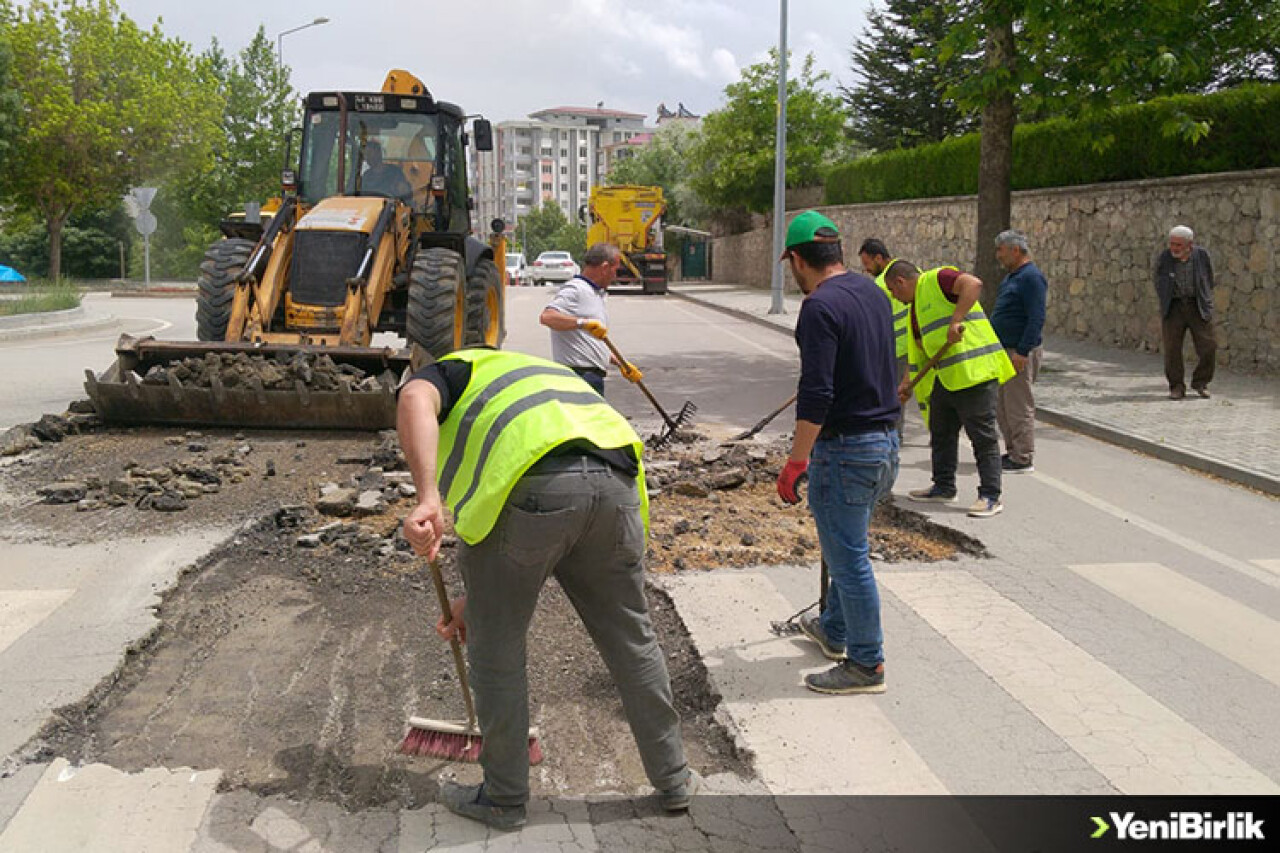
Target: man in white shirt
<point>578,321</point>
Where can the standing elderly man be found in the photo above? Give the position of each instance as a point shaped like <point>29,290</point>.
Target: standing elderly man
<point>1184,285</point>
<point>1018,319</point>
<point>846,412</point>
<point>579,323</point>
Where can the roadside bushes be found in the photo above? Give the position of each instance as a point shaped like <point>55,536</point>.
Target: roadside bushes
<point>1151,140</point>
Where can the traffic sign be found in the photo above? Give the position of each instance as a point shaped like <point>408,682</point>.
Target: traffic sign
<point>143,196</point>
<point>145,223</point>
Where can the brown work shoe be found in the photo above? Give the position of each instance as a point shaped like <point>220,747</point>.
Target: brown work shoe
<point>1202,390</point>
<point>1177,393</point>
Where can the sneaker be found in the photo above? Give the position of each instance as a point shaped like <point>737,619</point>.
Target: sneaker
<point>811,627</point>
<point>1201,390</point>
<point>1010,467</point>
<point>932,495</point>
<point>677,799</point>
<point>470,801</point>
<point>847,677</point>
<point>986,507</point>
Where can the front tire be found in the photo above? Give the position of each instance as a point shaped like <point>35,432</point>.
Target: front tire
<point>435,284</point>
<point>222,263</point>
<point>485,320</point>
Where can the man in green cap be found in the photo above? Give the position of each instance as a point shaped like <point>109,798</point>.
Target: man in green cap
<point>846,441</point>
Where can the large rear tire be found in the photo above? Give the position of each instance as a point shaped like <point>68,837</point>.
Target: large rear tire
<point>217,286</point>
<point>485,320</point>
<point>435,283</point>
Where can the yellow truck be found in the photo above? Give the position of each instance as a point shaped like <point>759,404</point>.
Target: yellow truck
<point>630,217</point>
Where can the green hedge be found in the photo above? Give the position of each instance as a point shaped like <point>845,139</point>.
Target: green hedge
<point>1126,143</point>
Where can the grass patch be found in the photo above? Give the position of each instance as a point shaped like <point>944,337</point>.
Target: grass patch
<point>40,296</point>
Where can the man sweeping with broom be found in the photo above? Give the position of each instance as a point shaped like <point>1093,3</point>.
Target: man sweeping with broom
<point>543,478</point>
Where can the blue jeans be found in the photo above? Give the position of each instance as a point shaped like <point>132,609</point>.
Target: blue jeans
<point>848,474</point>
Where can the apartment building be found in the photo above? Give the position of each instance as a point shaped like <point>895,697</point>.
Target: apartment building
<point>555,155</point>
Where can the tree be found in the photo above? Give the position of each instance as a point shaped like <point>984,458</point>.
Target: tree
<point>106,106</point>
<point>247,156</point>
<point>899,98</point>
<point>735,152</point>
<point>546,228</point>
<point>667,162</point>
<point>10,101</point>
<point>1065,56</point>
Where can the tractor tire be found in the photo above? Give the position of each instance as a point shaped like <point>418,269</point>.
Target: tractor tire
<point>217,286</point>
<point>485,320</point>
<point>435,284</point>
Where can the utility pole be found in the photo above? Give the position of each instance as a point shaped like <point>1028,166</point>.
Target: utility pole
<point>780,168</point>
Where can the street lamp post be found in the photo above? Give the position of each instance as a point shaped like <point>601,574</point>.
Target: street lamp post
<point>280,37</point>
<point>777,306</point>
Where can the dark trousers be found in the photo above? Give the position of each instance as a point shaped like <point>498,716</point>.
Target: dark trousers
<point>592,377</point>
<point>1184,316</point>
<point>975,410</point>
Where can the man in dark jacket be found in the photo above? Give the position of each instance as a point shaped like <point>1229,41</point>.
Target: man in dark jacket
<point>1184,285</point>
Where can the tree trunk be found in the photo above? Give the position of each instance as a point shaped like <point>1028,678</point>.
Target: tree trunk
<point>995,169</point>
<point>55,224</point>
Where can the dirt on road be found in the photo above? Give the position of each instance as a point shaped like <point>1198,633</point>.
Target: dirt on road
<point>291,657</point>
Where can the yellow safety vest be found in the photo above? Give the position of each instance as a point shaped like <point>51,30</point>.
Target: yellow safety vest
<point>514,410</point>
<point>978,357</point>
<point>901,318</point>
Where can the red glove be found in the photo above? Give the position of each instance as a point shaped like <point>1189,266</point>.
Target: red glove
<point>790,476</point>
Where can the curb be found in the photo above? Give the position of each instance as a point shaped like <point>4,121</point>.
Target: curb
<point>155,293</point>
<point>56,330</point>
<point>1094,429</point>
<point>40,318</point>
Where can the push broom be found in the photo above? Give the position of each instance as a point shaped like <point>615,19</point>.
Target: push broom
<point>447,739</point>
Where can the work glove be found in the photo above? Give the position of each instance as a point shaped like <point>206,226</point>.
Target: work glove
<point>595,328</point>
<point>789,478</point>
<point>630,372</point>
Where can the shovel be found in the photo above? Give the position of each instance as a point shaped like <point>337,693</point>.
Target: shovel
<point>928,365</point>
<point>672,424</point>
<point>743,436</point>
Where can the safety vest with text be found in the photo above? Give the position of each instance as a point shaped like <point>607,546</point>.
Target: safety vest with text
<point>515,409</point>
<point>976,358</point>
<point>900,314</point>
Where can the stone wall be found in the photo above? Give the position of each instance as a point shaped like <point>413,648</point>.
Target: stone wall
<point>1096,245</point>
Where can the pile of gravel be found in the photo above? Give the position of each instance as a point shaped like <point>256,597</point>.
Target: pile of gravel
<point>316,371</point>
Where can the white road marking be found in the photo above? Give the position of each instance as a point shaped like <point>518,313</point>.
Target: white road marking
<point>1232,630</point>
<point>1269,565</point>
<point>1136,743</point>
<point>759,677</point>
<point>1264,577</point>
<point>782,356</point>
<point>23,609</point>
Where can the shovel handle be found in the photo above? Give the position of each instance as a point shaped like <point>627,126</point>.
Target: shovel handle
<point>929,365</point>
<point>458,660</point>
<point>671,424</point>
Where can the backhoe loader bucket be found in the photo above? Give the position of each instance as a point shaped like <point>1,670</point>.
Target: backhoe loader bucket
<point>273,386</point>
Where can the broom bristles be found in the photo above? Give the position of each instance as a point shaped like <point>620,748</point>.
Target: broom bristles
<point>453,741</point>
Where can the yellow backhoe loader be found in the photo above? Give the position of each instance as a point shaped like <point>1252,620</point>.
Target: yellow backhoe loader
<point>373,234</point>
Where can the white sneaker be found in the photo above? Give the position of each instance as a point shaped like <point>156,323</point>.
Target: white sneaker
<point>986,507</point>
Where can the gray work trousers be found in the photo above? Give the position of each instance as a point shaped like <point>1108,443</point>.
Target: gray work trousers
<point>578,519</point>
<point>1016,410</point>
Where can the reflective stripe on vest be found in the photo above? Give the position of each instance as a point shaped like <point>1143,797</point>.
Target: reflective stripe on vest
<point>515,409</point>
<point>978,357</point>
<point>901,315</point>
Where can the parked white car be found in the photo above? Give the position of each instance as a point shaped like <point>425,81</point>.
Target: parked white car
<point>517,269</point>
<point>553,266</point>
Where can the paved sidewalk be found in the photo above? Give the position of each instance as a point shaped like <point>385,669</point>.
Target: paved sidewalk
<point>1114,395</point>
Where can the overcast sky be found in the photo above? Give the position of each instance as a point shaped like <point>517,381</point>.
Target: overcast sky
<point>508,58</point>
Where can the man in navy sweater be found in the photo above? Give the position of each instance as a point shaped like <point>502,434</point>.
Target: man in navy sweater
<point>846,440</point>
<point>1018,320</point>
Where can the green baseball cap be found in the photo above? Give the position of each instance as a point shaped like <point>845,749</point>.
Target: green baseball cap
<point>811,227</point>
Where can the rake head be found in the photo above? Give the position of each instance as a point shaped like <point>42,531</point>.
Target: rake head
<point>683,417</point>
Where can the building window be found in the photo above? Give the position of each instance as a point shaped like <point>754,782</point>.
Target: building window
<point>546,168</point>
<point>564,152</point>
<point>564,188</point>
<point>582,187</point>
<point>582,169</point>
<point>546,186</point>
<point>564,170</point>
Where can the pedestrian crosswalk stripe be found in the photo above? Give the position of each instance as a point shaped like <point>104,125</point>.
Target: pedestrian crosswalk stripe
<point>1269,565</point>
<point>1258,574</point>
<point>759,676</point>
<point>1233,630</point>
<point>1139,745</point>
<point>23,609</point>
